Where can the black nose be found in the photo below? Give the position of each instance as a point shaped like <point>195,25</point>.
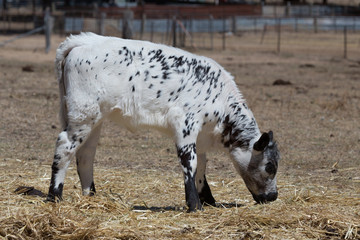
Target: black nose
<point>264,198</point>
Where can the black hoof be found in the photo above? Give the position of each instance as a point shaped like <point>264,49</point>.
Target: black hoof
<point>208,203</point>
<point>205,195</point>
<point>49,199</point>
<point>53,199</point>
<point>190,209</point>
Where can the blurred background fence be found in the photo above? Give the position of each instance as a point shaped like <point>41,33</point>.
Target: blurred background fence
<point>197,26</point>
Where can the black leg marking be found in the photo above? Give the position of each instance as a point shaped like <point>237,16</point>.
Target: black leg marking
<point>187,154</point>
<point>206,197</point>
<point>54,192</point>
<point>191,194</point>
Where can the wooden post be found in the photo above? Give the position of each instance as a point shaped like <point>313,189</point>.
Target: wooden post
<point>233,24</point>
<point>263,33</point>
<point>25,26</point>
<point>211,31</point>
<point>315,25</point>
<point>180,34</point>
<point>151,31</point>
<point>174,31</point>
<point>142,27</point>
<point>9,21</point>
<point>127,30</point>
<point>3,19</point>
<point>102,23</point>
<point>255,25</point>
<point>279,36</point>
<point>191,31</point>
<point>183,33</point>
<point>47,28</point>
<point>167,36</point>
<point>354,24</point>
<point>345,42</point>
<point>288,9</point>
<point>224,33</point>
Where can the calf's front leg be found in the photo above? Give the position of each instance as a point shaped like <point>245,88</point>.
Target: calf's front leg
<point>188,159</point>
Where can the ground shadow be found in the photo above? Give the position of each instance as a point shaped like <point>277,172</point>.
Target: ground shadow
<point>229,205</point>
<point>159,209</point>
<point>183,208</point>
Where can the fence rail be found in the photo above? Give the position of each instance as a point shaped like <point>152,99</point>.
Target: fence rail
<point>46,27</point>
<point>198,27</point>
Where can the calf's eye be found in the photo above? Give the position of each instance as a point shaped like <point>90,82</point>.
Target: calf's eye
<point>270,168</point>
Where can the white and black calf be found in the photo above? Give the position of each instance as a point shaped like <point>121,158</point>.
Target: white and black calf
<point>141,84</point>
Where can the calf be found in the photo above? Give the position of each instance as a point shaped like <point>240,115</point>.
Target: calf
<point>141,84</point>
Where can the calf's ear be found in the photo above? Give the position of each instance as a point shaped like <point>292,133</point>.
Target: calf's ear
<point>261,144</point>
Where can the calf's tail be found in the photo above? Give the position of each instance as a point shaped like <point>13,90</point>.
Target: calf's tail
<point>61,53</point>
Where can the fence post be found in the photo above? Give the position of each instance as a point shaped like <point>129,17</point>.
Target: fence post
<point>354,24</point>
<point>142,27</point>
<point>174,31</point>
<point>224,33</point>
<point>9,17</point>
<point>127,30</point>
<point>47,28</point>
<point>211,31</point>
<point>191,31</point>
<point>233,24</point>
<point>183,33</point>
<point>102,23</point>
<point>167,34</point>
<point>151,31</point>
<point>263,33</point>
<point>315,25</point>
<point>345,42</point>
<point>288,9</point>
<point>279,36</point>
<point>255,25</point>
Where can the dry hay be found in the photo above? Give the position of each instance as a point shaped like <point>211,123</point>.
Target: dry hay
<point>140,193</point>
<point>141,204</point>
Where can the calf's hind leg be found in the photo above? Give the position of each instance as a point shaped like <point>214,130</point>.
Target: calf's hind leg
<point>67,144</point>
<point>85,161</point>
<point>201,183</point>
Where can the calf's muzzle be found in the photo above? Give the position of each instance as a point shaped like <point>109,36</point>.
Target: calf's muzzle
<point>265,198</point>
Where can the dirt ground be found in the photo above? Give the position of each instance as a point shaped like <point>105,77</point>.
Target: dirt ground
<point>140,194</point>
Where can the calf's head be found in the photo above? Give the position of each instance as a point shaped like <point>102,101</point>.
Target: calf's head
<point>258,167</point>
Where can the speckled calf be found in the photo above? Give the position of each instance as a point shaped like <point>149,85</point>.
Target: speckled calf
<point>190,98</point>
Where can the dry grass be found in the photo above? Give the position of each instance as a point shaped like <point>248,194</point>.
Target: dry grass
<point>145,205</point>
<point>140,192</point>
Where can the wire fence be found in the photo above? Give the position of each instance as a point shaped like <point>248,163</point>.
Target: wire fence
<point>193,29</point>
<point>211,33</point>
<point>46,28</point>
